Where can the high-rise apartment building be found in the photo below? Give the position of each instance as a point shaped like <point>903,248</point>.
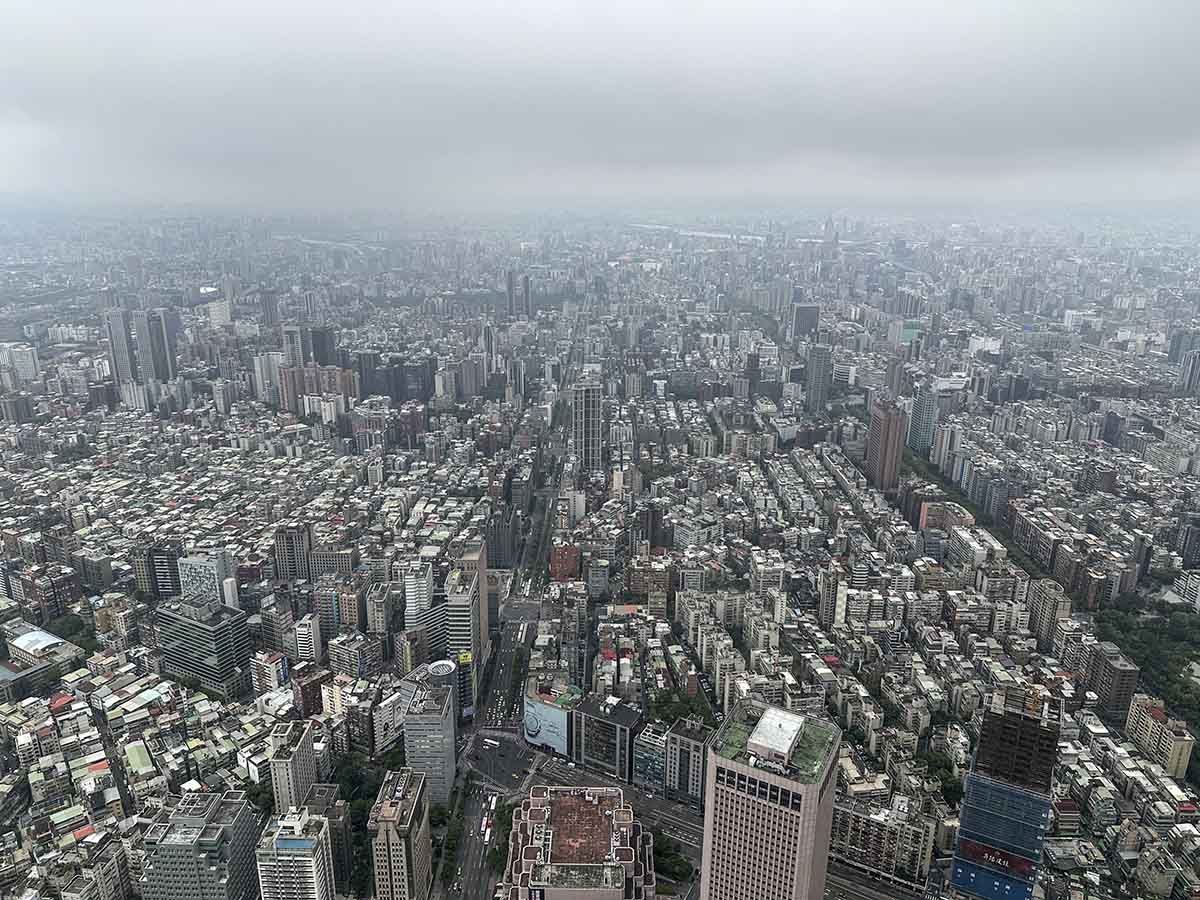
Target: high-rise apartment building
<point>201,848</point>
<point>1113,678</point>
<point>579,843</point>
<point>120,345</point>
<point>1048,604</point>
<point>293,763</point>
<point>209,642</point>
<point>922,420</point>
<point>768,810</point>
<point>297,345</point>
<point>1005,809</point>
<point>818,378</point>
<point>295,858</point>
<point>417,576</point>
<point>400,840</point>
<point>1167,741</point>
<point>268,671</point>
<point>587,425</point>
<point>885,445</point>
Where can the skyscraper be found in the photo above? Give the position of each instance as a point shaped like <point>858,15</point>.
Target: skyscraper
<point>120,345</point>
<point>293,763</point>
<point>526,297</point>
<point>430,729</point>
<point>1189,376</point>
<point>295,858</point>
<point>465,635</point>
<point>206,641</point>
<point>201,848</point>
<point>400,841</point>
<point>156,331</point>
<point>806,319</point>
<point>510,285</point>
<point>209,575</point>
<point>585,401</point>
<point>1005,808</point>
<point>297,345</point>
<point>885,445</point>
<point>819,377</point>
<point>599,851</point>
<point>923,419</point>
<point>768,810</point>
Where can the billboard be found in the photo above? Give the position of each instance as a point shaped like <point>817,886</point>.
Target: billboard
<point>994,858</point>
<point>546,724</point>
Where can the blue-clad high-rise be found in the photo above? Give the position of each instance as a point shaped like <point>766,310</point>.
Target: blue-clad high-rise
<point>1006,799</point>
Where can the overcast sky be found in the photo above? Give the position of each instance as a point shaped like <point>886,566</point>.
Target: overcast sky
<point>551,103</point>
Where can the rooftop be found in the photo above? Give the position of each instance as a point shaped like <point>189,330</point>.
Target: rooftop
<point>775,739</point>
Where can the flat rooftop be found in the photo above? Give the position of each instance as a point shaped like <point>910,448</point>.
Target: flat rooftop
<point>775,739</point>
<point>582,827</point>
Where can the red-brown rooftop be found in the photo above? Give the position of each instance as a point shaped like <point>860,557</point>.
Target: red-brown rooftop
<point>582,827</point>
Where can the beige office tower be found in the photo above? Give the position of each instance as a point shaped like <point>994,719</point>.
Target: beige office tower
<point>768,810</point>
<point>400,841</point>
<point>577,843</point>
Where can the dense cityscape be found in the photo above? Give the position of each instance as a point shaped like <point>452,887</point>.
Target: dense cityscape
<point>820,556</point>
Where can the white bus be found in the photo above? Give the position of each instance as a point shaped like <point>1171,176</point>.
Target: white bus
<point>483,825</point>
<point>487,839</point>
<point>488,742</point>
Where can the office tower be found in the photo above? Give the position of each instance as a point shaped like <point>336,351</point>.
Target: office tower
<point>208,642</point>
<point>120,345</point>
<point>327,599</point>
<point>201,848</point>
<point>324,800</point>
<point>806,319</point>
<point>430,728</point>
<point>269,305</point>
<point>310,647</point>
<point>297,345</point>
<point>1164,740</point>
<point>293,763</point>
<point>464,635</point>
<point>295,858</point>
<point>922,420</point>
<point>585,402</point>
<point>1113,678</point>
<point>885,445</point>
<point>1005,808</point>
<point>156,567</point>
<point>526,297</point>
<point>400,842</point>
<point>688,741</point>
<point>293,551</point>
<point>156,331</point>
<point>510,289</point>
<point>1189,375</point>
<point>768,806</point>
<point>385,604</point>
<point>474,561</point>
<point>209,576</point>
<point>600,851</point>
<point>819,377</point>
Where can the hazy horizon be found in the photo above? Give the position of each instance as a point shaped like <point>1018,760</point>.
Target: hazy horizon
<point>472,108</point>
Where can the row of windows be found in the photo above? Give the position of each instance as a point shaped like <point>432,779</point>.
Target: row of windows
<point>762,790</point>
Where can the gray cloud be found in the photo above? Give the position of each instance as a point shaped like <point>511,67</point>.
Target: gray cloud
<point>460,105</point>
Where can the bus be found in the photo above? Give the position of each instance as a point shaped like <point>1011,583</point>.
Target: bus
<point>494,796</point>
<point>488,742</point>
<point>483,825</point>
<point>487,838</point>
